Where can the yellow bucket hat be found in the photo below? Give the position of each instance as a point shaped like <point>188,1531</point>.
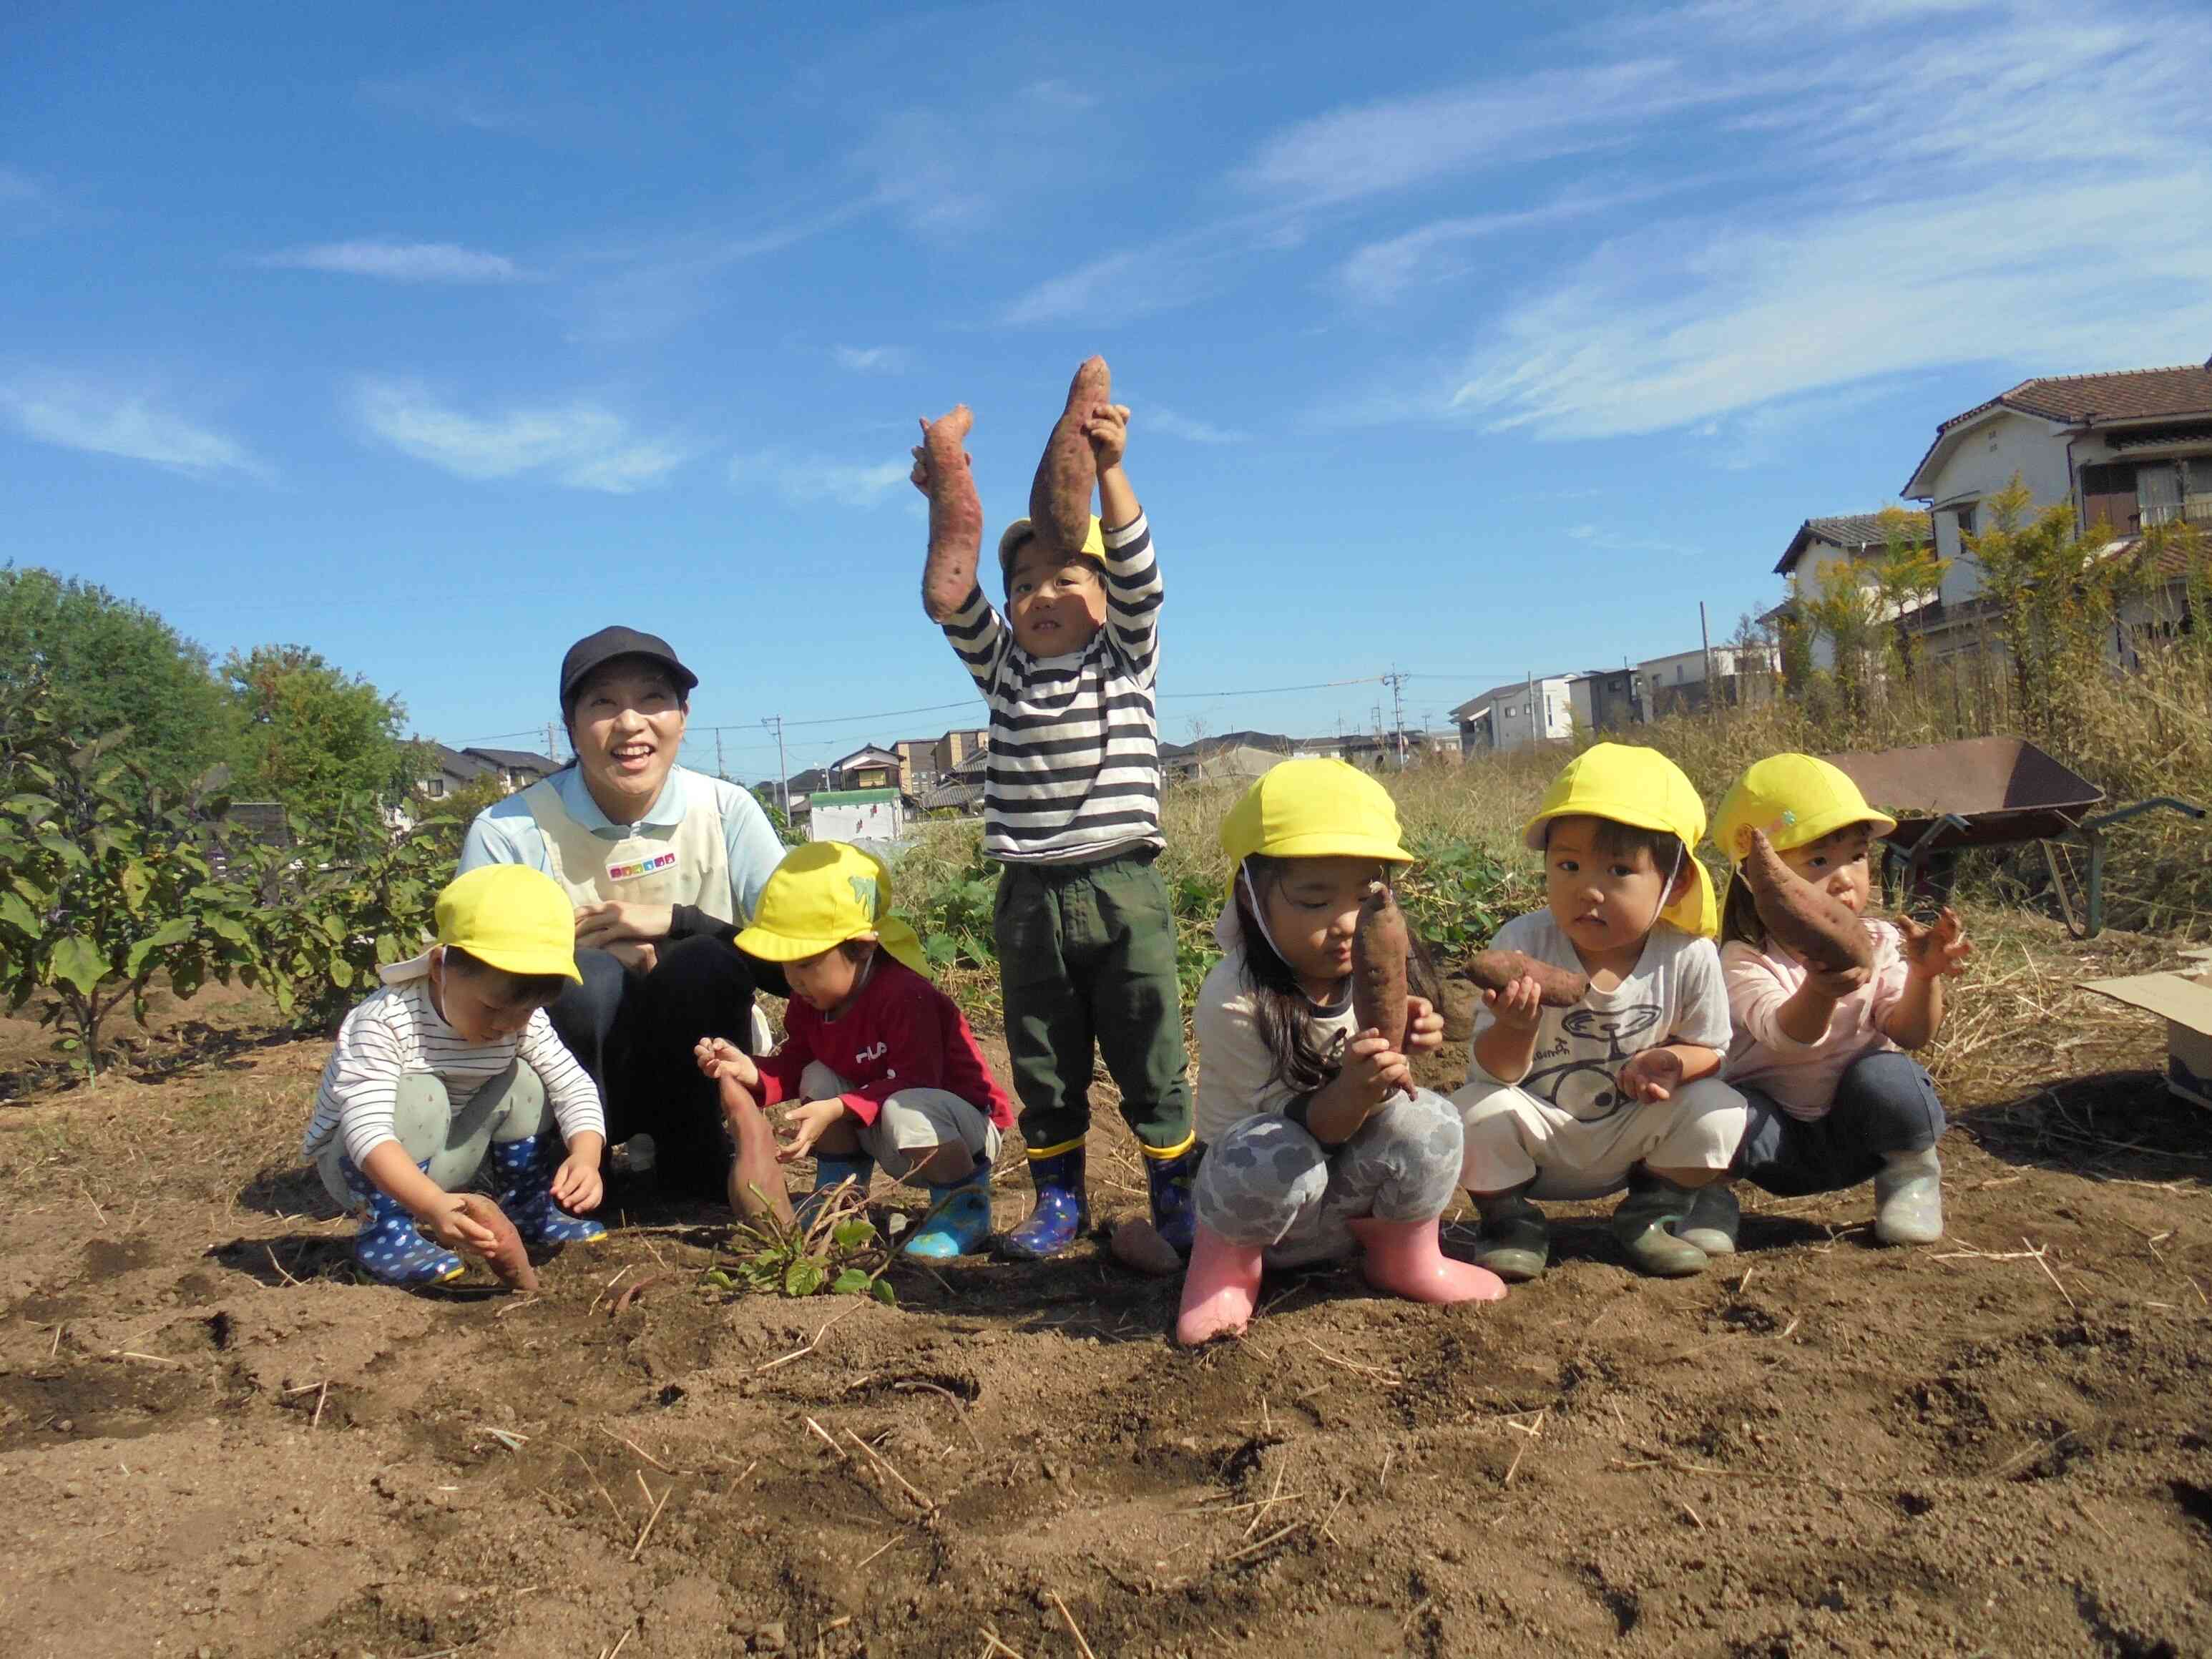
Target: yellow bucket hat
<point>820,895</point>
<point>1314,809</point>
<point>1641,788</point>
<point>1011,540</point>
<point>1796,799</point>
<point>511,917</point>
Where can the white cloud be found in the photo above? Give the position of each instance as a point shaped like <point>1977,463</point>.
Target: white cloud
<point>871,360</point>
<point>104,420</point>
<point>1169,424</point>
<point>808,478</point>
<point>400,262</point>
<point>580,444</point>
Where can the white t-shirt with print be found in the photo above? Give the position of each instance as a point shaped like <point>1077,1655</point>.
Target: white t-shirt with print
<point>1675,994</point>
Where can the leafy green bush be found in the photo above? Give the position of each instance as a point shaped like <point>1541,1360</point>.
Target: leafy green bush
<point>837,1253</point>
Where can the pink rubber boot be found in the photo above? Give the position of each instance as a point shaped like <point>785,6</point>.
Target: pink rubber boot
<point>1220,1288</point>
<point>1404,1258</point>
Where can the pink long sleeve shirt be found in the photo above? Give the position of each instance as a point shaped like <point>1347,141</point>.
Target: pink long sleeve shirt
<point>1801,1077</point>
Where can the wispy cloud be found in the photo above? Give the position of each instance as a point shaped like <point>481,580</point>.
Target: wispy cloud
<point>871,360</point>
<point>1169,424</point>
<point>400,262</point>
<point>579,445</point>
<point>804,478</point>
<point>75,413</point>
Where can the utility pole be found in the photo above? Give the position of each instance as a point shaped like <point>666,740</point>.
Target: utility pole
<point>552,747</point>
<point>774,723</point>
<point>1704,634</point>
<point>1528,689</point>
<point>1396,682</point>
<point>721,771</point>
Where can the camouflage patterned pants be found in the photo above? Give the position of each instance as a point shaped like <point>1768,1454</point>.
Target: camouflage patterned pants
<point>1268,1182</point>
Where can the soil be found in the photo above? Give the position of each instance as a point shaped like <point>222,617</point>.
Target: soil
<point>217,1442</point>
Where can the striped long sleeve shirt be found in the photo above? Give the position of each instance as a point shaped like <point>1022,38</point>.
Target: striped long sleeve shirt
<point>1074,767</point>
<point>399,1030</point>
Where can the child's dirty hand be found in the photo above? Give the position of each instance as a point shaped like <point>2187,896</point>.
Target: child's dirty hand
<point>576,1185</point>
<point>1374,1068</point>
<point>1519,1006</point>
<point>719,1058</point>
<point>1424,1026</point>
<point>1106,432</point>
<point>1837,983</point>
<point>807,1123</point>
<point>1651,1075</point>
<point>448,1222</point>
<point>1936,952</point>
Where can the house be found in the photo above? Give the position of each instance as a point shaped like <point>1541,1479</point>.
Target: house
<point>800,787</point>
<point>1232,757</point>
<point>865,768</point>
<point>450,771</point>
<point>518,768</point>
<point>1680,684</point>
<point>2129,450</point>
<point>960,790</point>
<point>1501,719</point>
<point>1605,699</point>
<point>877,814</point>
<point>955,746</point>
<point>1847,539</point>
<point>917,763</point>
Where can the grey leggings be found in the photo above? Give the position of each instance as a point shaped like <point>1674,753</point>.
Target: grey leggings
<point>449,1146</point>
<point>1269,1182</point>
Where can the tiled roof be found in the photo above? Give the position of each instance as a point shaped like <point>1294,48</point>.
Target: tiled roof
<point>516,760</point>
<point>1846,530</point>
<point>2128,394</point>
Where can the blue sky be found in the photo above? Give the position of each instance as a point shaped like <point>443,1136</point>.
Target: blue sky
<point>1466,340</point>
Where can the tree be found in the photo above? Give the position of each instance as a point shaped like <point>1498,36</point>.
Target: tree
<point>104,663</point>
<point>313,737</point>
<point>765,794</point>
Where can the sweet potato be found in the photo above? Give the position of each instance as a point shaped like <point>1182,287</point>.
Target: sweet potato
<point>956,513</point>
<point>505,1257</point>
<point>1816,929</point>
<point>755,1178</point>
<point>1137,1244</point>
<point>1378,965</point>
<point>1066,475</point>
<point>1496,970</point>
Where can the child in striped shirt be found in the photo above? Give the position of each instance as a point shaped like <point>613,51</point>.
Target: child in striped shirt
<point>452,1066</point>
<point>1084,929</point>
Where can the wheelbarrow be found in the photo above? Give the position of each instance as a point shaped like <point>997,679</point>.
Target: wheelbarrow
<point>1991,791</point>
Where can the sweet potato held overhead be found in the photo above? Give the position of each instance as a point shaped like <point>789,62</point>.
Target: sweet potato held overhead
<point>505,1257</point>
<point>1066,476</point>
<point>955,513</point>
<point>1820,931</point>
<point>1497,970</point>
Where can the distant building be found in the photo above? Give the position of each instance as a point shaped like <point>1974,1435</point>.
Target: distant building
<point>518,768</point>
<point>955,746</point>
<point>1232,757</point>
<point>1677,684</point>
<point>1604,699</point>
<point>917,759</point>
<point>1845,539</point>
<point>451,770</point>
<point>855,815</point>
<point>865,768</point>
<point>960,790</point>
<point>1518,715</point>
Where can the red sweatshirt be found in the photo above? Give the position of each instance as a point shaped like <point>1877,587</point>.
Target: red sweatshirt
<point>899,1032</point>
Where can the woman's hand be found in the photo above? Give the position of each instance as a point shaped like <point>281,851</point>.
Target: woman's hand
<point>1519,1006</point>
<point>603,926</point>
<point>1651,1075</point>
<point>807,1123</point>
<point>1936,952</point>
<point>1424,1026</point>
<point>445,1220</point>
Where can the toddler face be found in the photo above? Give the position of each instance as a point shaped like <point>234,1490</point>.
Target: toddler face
<point>1840,863</point>
<point>476,1015</point>
<point>1056,602</point>
<point>1312,907</point>
<point>1602,901</point>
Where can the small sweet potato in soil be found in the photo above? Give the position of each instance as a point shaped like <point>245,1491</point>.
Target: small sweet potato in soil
<point>506,1257</point>
<point>1066,476</point>
<point>1496,970</point>
<point>1819,930</point>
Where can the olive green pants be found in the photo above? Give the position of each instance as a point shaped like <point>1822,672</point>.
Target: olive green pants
<point>1087,955</point>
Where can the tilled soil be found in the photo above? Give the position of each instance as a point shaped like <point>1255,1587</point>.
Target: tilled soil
<point>217,1444</point>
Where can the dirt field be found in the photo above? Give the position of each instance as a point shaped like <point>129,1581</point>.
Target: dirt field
<point>217,1444</point>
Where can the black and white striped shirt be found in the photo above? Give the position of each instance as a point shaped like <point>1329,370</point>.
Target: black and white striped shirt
<point>399,1030</point>
<point>1074,767</point>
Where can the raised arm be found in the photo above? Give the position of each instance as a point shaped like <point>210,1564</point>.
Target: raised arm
<point>942,472</point>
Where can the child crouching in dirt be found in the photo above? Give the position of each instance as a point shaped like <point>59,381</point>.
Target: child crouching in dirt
<point>1317,1144</point>
<point>1819,1056</point>
<point>1619,1084</point>
<point>881,1063</point>
<point>452,1069</point>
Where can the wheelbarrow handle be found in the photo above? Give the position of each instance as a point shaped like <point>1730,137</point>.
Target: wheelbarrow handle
<point>2169,803</point>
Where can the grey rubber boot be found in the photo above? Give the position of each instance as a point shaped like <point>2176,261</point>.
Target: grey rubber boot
<point>1646,1222</point>
<point>1711,1222</point>
<point>1908,1199</point>
<point>1514,1241</point>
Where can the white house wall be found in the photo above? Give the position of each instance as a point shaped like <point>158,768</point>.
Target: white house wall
<point>1983,463</point>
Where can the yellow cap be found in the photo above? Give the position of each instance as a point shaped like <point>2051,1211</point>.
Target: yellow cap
<point>1011,540</point>
<point>1641,788</point>
<point>820,895</point>
<point>1796,799</point>
<point>511,917</point>
<point>1314,809</point>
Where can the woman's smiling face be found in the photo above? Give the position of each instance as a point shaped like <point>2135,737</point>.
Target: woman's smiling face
<point>627,725</point>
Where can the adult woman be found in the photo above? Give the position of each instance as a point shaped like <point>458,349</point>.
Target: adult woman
<point>664,865</point>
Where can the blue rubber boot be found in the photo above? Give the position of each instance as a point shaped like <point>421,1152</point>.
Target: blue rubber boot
<point>1175,1217</point>
<point>831,1173</point>
<point>390,1248</point>
<point>525,1171</point>
<point>1062,1211</point>
<point>962,1224</point>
